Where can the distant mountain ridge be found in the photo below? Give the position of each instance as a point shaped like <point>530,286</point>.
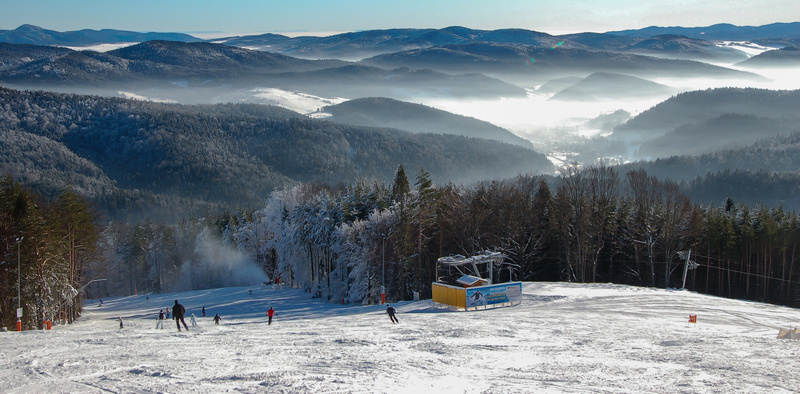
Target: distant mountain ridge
<point>523,64</point>
<point>29,34</point>
<point>358,45</point>
<point>722,31</point>
<point>522,57</point>
<point>186,72</point>
<point>369,43</point>
<point>157,59</point>
<point>680,46</point>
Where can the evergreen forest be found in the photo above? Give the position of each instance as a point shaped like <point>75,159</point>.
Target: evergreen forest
<point>46,246</point>
<point>345,242</point>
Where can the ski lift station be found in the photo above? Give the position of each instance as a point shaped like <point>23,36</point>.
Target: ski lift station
<point>467,283</point>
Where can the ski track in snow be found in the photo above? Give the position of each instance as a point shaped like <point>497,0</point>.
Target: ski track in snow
<point>563,338</point>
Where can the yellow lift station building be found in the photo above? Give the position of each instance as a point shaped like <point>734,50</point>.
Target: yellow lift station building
<point>460,286</point>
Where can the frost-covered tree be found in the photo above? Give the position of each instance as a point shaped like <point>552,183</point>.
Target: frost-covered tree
<point>360,249</point>
<point>49,241</point>
<point>646,196</point>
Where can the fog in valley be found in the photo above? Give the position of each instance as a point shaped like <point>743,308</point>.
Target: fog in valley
<point>573,129</point>
<point>555,127</point>
<point>567,104</point>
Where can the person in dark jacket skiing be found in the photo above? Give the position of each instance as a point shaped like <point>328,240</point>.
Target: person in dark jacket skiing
<point>217,319</point>
<point>177,314</point>
<point>391,312</point>
<point>270,313</point>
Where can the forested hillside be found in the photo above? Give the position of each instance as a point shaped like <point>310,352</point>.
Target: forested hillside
<point>728,131</point>
<point>385,112</point>
<point>13,55</point>
<point>775,154</point>
<point>756,188</point>
<point>133,156</point>
<point>610,86</point>
<point>763,173</point>
<point>702,105</point>
<point>788,56</point>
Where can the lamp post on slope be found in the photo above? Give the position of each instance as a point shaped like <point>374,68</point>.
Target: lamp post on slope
<point>383,269</point>
<point>19,287</point>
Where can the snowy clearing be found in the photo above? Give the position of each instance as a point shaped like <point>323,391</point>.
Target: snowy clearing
<point>749,48</point>
<point>134,96</point>
<point>103,47</point>
<point>563,338</point>
<point>304,103</point>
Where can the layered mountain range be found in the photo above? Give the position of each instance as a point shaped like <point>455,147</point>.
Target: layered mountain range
<point>372,42</point>
<point>219,150</point>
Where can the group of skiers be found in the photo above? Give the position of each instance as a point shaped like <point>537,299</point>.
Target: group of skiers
<point>178,312</point>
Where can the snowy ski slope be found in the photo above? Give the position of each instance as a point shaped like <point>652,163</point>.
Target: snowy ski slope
<point>563,338</point>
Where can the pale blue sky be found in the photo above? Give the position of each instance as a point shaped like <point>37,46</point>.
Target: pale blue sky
<point>286,16</point>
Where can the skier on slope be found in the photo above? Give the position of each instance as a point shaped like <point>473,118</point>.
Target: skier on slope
<point>177,314</point>
<point>391,312</point>
<point>194,320</point>
<point>217,319</point>
<point>270,313</point>
<point>160,323</point>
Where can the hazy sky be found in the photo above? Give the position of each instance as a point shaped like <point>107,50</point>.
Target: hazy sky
<point>315,16</point>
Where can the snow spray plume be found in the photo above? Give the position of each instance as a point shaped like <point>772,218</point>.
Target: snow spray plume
<point>215,264</point>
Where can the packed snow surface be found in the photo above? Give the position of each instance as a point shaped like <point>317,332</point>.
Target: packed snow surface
<point>562,338</point>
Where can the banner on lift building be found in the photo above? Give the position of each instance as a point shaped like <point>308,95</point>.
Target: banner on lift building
<point>494,294</point>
